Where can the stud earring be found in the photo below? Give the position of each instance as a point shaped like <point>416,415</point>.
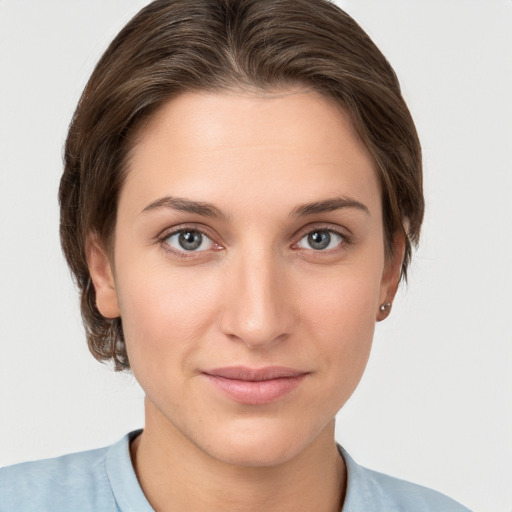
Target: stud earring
<point>385,306</point>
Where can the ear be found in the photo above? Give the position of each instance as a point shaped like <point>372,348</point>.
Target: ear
<point>391,277</point>
<point>102,278</point>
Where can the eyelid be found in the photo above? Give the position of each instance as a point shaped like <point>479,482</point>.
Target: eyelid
<point>344,233</point>
<point>190,226</point>
<point>168,232</point>
<point>323,226</point>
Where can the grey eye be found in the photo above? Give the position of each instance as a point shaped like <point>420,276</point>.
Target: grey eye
<point>189,240</point>
<point>320,240</point>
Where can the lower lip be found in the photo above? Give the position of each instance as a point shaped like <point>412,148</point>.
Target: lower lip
<point>256,392</point>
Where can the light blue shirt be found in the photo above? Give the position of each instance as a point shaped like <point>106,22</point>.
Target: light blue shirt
<point>103,480</point>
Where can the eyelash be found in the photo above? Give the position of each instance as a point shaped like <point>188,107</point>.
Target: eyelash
<point>345,240</point>
<point>184,254</point>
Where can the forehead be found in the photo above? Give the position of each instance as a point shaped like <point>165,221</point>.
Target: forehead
<point>216,146</point>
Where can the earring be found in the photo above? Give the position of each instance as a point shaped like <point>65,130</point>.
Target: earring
<point>385,306</point>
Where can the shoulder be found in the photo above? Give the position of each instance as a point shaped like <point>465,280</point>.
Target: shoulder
<point>376,492</point>
<point>76,482</point>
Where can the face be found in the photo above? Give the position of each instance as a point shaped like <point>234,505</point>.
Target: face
<point>248,270</point>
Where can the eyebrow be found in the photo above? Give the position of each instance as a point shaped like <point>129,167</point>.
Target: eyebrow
<point>186,205</point>
<point>209,210</point>
<point>328,205</point>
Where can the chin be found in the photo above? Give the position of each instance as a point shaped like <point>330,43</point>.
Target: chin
<point>242,453</point>
<point>260,444</point>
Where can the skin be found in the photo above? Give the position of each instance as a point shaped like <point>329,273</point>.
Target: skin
<point>256,293</point>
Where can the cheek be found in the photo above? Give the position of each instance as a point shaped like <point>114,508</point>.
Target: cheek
<point>345,298</point>
<point>165,313</point>
<point>341,318</point>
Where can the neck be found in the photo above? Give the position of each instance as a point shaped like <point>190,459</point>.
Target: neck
<point>176,474</point>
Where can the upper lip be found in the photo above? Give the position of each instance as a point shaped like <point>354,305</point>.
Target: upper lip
<point>254,374</point>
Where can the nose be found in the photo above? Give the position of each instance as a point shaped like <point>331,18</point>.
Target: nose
<point>258,307</point>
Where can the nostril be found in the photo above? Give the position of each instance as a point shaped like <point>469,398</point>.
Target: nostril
<point>256,308</point>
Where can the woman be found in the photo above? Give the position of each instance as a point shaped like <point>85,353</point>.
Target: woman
<point>241,191</point>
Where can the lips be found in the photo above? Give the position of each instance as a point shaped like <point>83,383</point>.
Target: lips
<point>255,386</point>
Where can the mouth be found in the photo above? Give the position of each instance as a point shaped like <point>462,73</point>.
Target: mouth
<point>255,386</point>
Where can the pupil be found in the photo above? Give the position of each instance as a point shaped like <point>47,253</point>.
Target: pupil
<point>190,240</point>
<point>319,239</point>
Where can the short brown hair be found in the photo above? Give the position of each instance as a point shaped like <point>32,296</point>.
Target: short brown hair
<point>172,46</point>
